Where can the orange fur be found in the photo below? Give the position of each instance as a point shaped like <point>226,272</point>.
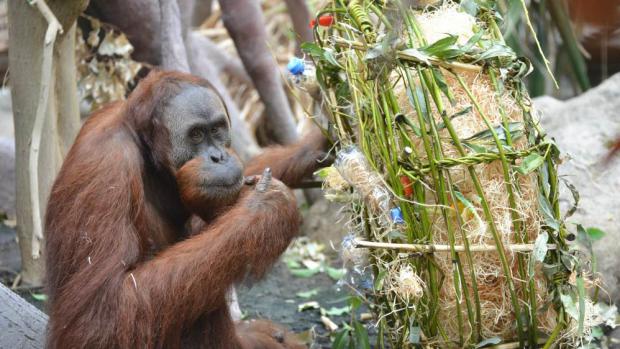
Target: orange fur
<point>123,269</point>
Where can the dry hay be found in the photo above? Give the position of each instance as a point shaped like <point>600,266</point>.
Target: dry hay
<point>497,315</point>
<point>496,308</point>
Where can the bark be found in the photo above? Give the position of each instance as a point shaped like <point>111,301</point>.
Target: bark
<point>246,26</point>
<point>202,11</point>
<point>173,52</point>
<point>26,37</point>
<point>23,325</point>
<point>300,16</point>
<point>138,19</point>
<point>219,59</point>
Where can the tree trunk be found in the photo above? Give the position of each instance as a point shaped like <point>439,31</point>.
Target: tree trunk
<point>300,16</point>
<point>23,325</point>
<point>245,23</point>
<point>27,29</point>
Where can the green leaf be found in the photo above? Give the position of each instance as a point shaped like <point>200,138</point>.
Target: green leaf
<point>568,261</point>
<point>355,302</point>
<point>464,111</point>
<point>551,269</point>
<point>329,56</point>
<point>470,7</point>
<point>379,280</point>
<point>396,234</point>
<point>515,129</point>
<point>361,336</point>
<point>419,95</point>
<point>513,17</point>
<point>441,46</point>
<point>570,306</point>
<point>304,273</point>
<point>403,119</point>
<point>308,294</point>
<point>584,238</point>
<point>375,52</point>
<point>545,208</point>
<point>323,172</point>
<point>464,201</point>
<point>581,290</point>
<point>417,54</point>
<point>443,86</point>
<point>312,49</point>
<point>530,163</point>
<point>337,311</point>
<point>489,341</point>
<point>341,341</point>
<point>336,273</point>
<point>472,41</point>
<point>539,252</point>
<point>495,51</point>
<point>475,147</point>
<point>39,296</point>
<point>540,247</point>
<point>468,204</point>
<point>595,233</point>
<point>292,264</point>
<point>575,195</point>
<point>597,332</point>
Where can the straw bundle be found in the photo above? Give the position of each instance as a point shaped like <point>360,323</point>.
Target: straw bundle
<point>439,147</point>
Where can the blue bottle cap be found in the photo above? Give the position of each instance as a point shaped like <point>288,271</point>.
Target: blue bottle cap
<point>295,66</point>
<point>397,215</point>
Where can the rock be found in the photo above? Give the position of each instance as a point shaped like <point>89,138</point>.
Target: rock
<point>583,128</point>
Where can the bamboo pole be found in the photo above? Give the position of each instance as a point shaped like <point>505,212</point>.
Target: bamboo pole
<point>428,248</point>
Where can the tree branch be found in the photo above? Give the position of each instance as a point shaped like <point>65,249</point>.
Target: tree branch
<point>53,29</point>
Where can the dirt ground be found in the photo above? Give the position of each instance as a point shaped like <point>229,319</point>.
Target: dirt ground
<point>275,298</point>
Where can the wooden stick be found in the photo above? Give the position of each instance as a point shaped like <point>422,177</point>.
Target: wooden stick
<point>329,324</point>
<point>54,28</point>
<point>432,248</point>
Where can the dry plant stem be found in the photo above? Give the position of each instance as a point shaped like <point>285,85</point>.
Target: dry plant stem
<point>540,50</point>
<point>329,324</point>
<point>433,248</point>
<point>53,29</point>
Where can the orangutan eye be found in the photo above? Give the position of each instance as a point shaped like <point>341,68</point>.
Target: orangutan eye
<point>196,135</point>
<point>215,131</point>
